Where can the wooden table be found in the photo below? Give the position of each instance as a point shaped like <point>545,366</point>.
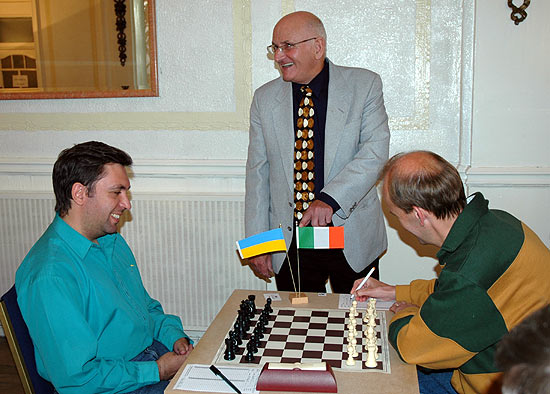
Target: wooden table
<point>403,378</point>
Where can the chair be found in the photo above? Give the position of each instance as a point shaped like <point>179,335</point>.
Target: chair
<point>21,345</point>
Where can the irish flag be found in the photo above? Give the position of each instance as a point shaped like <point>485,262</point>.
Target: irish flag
<point>320,237</point>
<point>266,242</point>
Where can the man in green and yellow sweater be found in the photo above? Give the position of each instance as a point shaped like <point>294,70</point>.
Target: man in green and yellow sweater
<point>495,272</point>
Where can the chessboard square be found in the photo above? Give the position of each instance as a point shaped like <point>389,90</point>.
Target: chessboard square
<point>298,331</point>
<point>319,314</point>
<point>296,338</point>
<point>276,345</point>
<point>337,355</point>
<point>314,346</point>
<point>332,347</point>
<point>284,312</point>
<point>279,331</point>
<point>319,319</point>
<point>336,320</point>
<point>334,333</point>
<point>273,353</point>
<point>316,332</point>
<point>294,345</point>
<point>331,326</point>
<point>315,339</point>
<point>313,354</point>
<point>304,326</point>
<point>301,319</point>
<point>334,363</point>
<point>317,326</point>
<point>282,324</point>
<point>280,338</point>
<point>255,361</point>
<point>337,340</point>
<point>302,313</point>
<point>292,353</point>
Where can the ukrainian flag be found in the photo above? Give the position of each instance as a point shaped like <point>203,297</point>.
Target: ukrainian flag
<point>266,242</point>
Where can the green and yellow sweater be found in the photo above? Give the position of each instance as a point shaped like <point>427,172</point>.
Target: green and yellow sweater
<point>496,272</point>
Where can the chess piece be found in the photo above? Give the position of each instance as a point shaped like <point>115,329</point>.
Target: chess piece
<point>371,357</point>
<point>350,361</point>
<point>229,354</point>
<point>354,347</point>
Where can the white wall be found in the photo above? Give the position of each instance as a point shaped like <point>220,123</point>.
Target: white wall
<point>459,78</point>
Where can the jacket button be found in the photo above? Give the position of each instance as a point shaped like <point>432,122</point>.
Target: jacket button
<point>289,228</point>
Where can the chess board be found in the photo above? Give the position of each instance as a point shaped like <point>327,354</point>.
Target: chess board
<point>308,336</point>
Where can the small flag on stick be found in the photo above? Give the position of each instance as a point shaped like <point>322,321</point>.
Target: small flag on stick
<point>266,242</point>
<point>320,237</point>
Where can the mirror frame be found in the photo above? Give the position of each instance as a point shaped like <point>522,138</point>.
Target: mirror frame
<point>153,91</point>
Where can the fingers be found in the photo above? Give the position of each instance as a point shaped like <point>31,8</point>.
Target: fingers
<point>319,214</point>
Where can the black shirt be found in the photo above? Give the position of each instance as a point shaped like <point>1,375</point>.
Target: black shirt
<point>319,87</point>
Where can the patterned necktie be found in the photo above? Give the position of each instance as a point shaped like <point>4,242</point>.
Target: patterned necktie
<point>304,174</point>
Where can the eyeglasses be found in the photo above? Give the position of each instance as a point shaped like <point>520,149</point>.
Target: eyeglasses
<point>285,47</point>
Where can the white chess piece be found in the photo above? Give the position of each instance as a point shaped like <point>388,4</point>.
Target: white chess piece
<point>354,306</point>
<point>354,344</point>
<point>350,361</point>
<point>371,357</point>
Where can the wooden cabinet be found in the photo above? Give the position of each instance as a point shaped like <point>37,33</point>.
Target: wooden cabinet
<point>19,62</point>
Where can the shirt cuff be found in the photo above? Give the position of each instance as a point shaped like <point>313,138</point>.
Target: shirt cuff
<point>324,197</point>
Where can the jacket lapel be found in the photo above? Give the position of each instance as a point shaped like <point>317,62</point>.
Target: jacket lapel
<point>284,129</point>
<point>337,112</point>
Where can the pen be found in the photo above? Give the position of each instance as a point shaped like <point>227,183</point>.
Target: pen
<point>221,375</point>
<point>363,282</point>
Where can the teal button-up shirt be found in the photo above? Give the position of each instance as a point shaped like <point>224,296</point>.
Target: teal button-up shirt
<point>88,313</point>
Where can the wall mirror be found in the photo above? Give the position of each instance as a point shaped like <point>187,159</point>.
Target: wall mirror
<point>77,49</point>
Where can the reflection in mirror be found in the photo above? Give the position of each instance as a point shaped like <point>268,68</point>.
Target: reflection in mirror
<point>75,49</point>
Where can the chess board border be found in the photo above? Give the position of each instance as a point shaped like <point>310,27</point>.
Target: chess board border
<point>381,329</point>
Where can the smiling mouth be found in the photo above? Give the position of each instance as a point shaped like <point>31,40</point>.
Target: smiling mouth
<point>117,217</point>
<point>287,65</point>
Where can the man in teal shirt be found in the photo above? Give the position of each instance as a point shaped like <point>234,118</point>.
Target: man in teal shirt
<point>94,327</point>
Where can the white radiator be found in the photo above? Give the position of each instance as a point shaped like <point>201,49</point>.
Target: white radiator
<point>184,246</point>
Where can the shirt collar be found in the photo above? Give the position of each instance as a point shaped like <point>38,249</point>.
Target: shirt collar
<point>466,220</point>
<point>76,241</point>
<point>317,84</point>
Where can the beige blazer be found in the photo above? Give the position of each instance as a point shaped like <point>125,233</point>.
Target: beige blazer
<point>356,148</point>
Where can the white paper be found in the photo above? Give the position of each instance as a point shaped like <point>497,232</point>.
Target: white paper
<point>198,377</point>
<point>344,302</point>
<point>273,296</point>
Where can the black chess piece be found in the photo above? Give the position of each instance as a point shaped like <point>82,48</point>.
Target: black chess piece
<point>249,357</point>
<point>237,339</point>
<point>258,332</point>
<point>252,299</point>
<point>229,354</point>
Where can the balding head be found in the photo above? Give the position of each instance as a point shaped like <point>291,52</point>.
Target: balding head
<point>426,180</point>
<point>302,38</point>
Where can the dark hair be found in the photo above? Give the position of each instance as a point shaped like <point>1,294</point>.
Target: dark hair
<point>427,181</point>
<point>82,163</point>
<point>524,355</point>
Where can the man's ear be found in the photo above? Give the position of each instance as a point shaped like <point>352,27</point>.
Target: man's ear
<point>79,192</point>
<point>319,47</point>
<point>420,214</point>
